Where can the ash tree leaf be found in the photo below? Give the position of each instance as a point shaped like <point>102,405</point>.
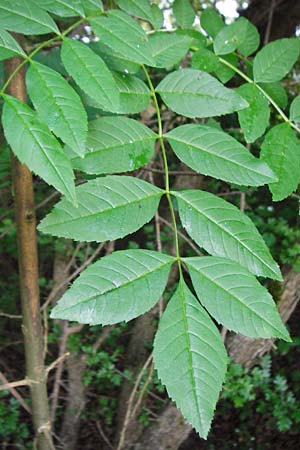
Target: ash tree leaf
<point>251,41</point>
<point>281,150</point>
<point>58,105</point>
<point>35,146</point>
<point>92,7</point>
<point>295,109</point>
<point>205,60</point>
<point>157,16</point>
<point>193,93</point>
<point>90,73</point>
<point>116,144</point>
<point>212,152</point>
<point>25,17</point>
<point>168,49</point>
<point>277,92</point>
<point>118,287</point>
<point>235,298</point>
<point>211,22</point>
<point>184,13</point>
<point>254,119</point>
<point>275,60</point>
<point>63,8</point>
<point>113,60</point>
<point>190,358</point>
<point>223,230</point>
<point>137,8</point>
<point>108,208</point>
<point>230,37</point>
<point>8,46</point>
<point>124,36</point>
<point>225,73</point>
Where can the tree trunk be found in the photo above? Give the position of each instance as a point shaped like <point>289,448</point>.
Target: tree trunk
<point>28,274</point>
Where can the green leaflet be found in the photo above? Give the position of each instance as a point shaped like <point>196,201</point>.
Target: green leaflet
<point>92,7</point>
<point>34,145</point>
<point>116,144</point>
<point>251,41</point>
<point>58,105</point>
<point>113,60</point>
<point>124,36</point>
<point>90,73</point>
<point>275,60</point>
<point>190,358</point>
<point>230,37</point>
<point>25,17</point>
<point>108,208</point>
<point>254,119</point>
<point>211,22</point>
<point>235,298</point>
<point>8,46</point>
<point>205,60</point>
<point>225,73</point>
<point>212,152</point>
<point>118,287</point>
<point>137,8</point>
<point>281,150</point>
<point>157,16</point>
<point>63,8</point>
<point>193,93</point>
<point>184,13</point>
<point>168,49</point>
<point>277,92</point>
<point>295,109</point>
<point>223,230</point>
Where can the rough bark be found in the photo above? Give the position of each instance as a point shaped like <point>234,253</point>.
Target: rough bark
<point>28,275</point>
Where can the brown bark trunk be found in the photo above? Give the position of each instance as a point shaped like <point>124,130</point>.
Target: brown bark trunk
<point>28,274</point>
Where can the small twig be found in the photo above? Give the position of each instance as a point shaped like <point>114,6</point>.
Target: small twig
<point>102,434</point>
<point>183,236</point>
<point>10,316</point>
<point>13,384</point>
<point>15,393</point>
<point>143,390</point>
<point>56,362</point>
<point>269,24</point>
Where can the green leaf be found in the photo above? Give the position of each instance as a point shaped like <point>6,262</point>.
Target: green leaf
<point>211,22</point>
<point>25,17</point>
<point>205,60</point>
<point>168,49</point>
<point>157,16</point>
<point>92,7</point>
<point>223,230</point>
<point>116,144</point>
<point>58,105</point>
<point>225,73</point>
<point>251,41</point>
<point>281,150</point>
<point>254,119</point>
<point>114,61</point>
<point>235,298</point>
<point>230,37</point>
<point>193,93</point>
<point>275,60</point>
<point>190,358</point>
<point>8,46</point>
<point>137,8</point>
<point>34,145</point>
<point>276,92</point>
<point>109,208</point>
<point>90,73</point>
<point>63,8</point>
<point>198,39</point>
<point>184,13</point>
<point>123,35</point>
<point>212,152</point>
<point>295,109</point>
<point>118,287</point>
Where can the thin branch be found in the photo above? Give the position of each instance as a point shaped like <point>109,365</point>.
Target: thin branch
<point>15,393</point>
<point>183,236</point>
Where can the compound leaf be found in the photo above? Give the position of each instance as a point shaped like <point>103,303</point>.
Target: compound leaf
<point>235,298</point>
<point>215,153</point>
<point>35,146</point>
<point>108,208</point>
<point>193,93</point>
<point>275,60</point>
<point>281,150</point>
<point>58,105</point>
<point>116,144</point>
<point>118,287</point>
<point>254,119</point>
<point>223,230</point>
<point>190,358</point>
